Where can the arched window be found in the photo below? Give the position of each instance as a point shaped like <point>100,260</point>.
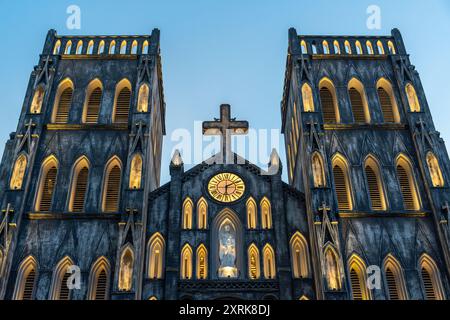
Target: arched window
<point>408,188</point>
<point>375,185</point>
<point>63,102</point>
<point>123,47</point>
<point>348,47</point>
<point>145,47</point>
<point>318,170</point>
<point>188,208</point>
<point>79,47</point>
<point>304,47</point>
<point>358,100</point>
<point>153,298</point>
<point>387,101</point>
<point>435,170</point>
<point>314,47</point>
<point>60,289</point>
<point>380,47</point>
<point>357,271</point>
<point>156,253</point>
<point>342,183</point>
<point>90,48</point>
<point>358,46</point>
<point>307,97</point>
<point>391,48</point>
<point>144,93</point>
<point>252,219</point>
<point>202,214</point>
<point>111,186</point>
<point>369,47</point>
<point>18,174</point>
<point>68,49</point>
<point>101,47</point>
<point>112,47</point>
<point>99,280</point>
<point>38,99</point>
<point>431,279</point>
<point>413,100</point>
<point>126,269</point>
<point>254,271</point>
<point>329,102</point>
<point>93,102</point>
<point>136,172</point>
<point>57,47</point>
<point>80,178</point>
<point>333,275</point>
<point>299,256</point>
<point>26,279</point>
<point>395,282</point>
<point>269,262</point>
<point>266,214</point>
<point>186,263</point>
<point>337,47</point>
<point>122,102</point>
<point>134,47</point>
<point>47,184</point>
<point>202,262</point>
<point>326,47</point>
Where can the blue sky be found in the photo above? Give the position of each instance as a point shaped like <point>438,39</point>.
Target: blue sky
<point>218,51</point>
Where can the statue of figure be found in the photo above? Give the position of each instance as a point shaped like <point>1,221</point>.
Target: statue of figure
<point>136,172</point>
<point>332,272</point>
<point>143,99</point>
<point>318,172</point>
<point>37,101</point>
<point>308,99</point>
<point>227,252</point>
<point>412,98</point>
<point>126,273</point>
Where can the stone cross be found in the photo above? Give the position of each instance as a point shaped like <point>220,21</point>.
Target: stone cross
<point>225,127</point>
<point>324,208</point>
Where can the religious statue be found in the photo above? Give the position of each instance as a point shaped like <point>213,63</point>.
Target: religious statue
<point>308,103</point>
<point>143,98</point>
<point>37,101</point>
<point>227,252</point>
<point>412,98</point>
<point>18,173</point>
<point>319,180</point>
<point>126,272</point>
<point>136,172</point>
<point>332,271</point>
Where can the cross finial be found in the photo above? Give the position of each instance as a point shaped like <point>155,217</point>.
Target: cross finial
<point>225,127</point>
<point>324,208</point>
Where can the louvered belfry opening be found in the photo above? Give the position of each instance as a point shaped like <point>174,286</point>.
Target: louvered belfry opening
<point>123,106</point>
<point>101,286</point>
<point>28,287</point>
<point>65,101</point>
<point>356,285</point>
<point>386,105</point>
<point>341,188</point>
<point>427,280</point>
<point>80,190</point>
<point>392,285</point>
<point>48,189</point>
<point>374,189</point>
<point>64,292</point>
<point>113,190</point>
<point>357,106</point>
<point>405,187</point>
<point>326,98</point>
<point>93,107</point>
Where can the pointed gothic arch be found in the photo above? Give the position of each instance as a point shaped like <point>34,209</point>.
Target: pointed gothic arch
<point>18,172</point>
<point>269,263</point>
<point>134,47</point>
<point>202,262</point>
<point>329,101</point>
<point>90,47</point>
<point>143,98</point>
<point>318,170</point>
<point>254,268</point>
<point>59,288</point>
<point>47,184</point>
<point>57,47</point>
<point>68,48</point>
<point>101,47</point>
<point>122,102</point>
<point>437,179</point>
<point>156,256</point>
<point>111,185</point>
<point>126,268</point>
<point>79,49</point>
<point>136,169</point>
<point>63,101</point>
<point>394,279</point>
<point>307,98</point>
<point>187,212</point>
<point>202,214</point>
<point>333,275</point>
<point>266,214</point>
<point>99,280</point>
<point>342,182</point>
<point>26,280</point>
<point>79,185</point>
<point>252,216</point>
<point>348,47</point>
<point>299,256</point>
<point>431,278</point>
<point>380,47</point>
<point>123,47</point>
<point>375,184</point>
<point>112,47</point>
<point>358,278</point>
<point>145,47</point>
<point>387,100</point>
<point>391,47</point>
<point>92,103</point>
<point>358,101</point>
<point>186,262</point>
<point>407,183</point>
<point>413,99</point>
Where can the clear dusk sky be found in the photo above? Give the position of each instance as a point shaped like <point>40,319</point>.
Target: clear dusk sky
<point>217,51</point>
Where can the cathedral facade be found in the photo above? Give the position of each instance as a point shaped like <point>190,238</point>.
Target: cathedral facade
<point>364,215</point>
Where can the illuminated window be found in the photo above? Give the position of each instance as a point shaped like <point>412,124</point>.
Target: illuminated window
<point>413,100</point>
<point>333,275</point>
<point>186,263</point>
<point>59,289</point>
<point>68,49</point>
<point>47,184</point>
<point>388,102</point>
<point>357,272</point>
<point>407,184</point>
<point>38,99</point>
<point>144,93</point>
<point>380,47</point>
<point>342,183</point>
<point>435,170</point>
<point>328,100</point>
<point>431,279</point>
<point>57,47</point>
<point>358,100</point>
<point>266,214</point>
<point>337,48</point>
<point>202,214</point>
<point>318,170</point>
<point>299,256</point>
<point>326,47</point>
<point>156,253</point>
<point>304,47</point>
<point>79,49</point>
<point>101,47</point>
<point>18,174</point>
<point>90,48</point>
<point>269,262</point>
<point>63,102</point>
<point>188,208</point>
<point>348,48</point>
<point>358,46</point>
<point>251,214</point>
<point>126,269</point>
<point>93,102</point>
<point>307,97</point>
<point>314,47</point>
<point>80,177</point>
<point>369,47</point>
<point>26,280</point>
<point>123,47</point>
<point>136,172</point>
<point>145,47</point>
<point>202,262</point>
<point>112,47</point>
<point>134,47</point>
<point>152,298</point>
<point>111,185</point>
<point>99,280</point>
<point>395,282</point>
<point>122,102</point>
<point>254,271</point>
<point>391,47</point>
<point>375,185</point>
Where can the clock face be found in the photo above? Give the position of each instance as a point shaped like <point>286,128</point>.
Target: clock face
<point>226,187</point>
